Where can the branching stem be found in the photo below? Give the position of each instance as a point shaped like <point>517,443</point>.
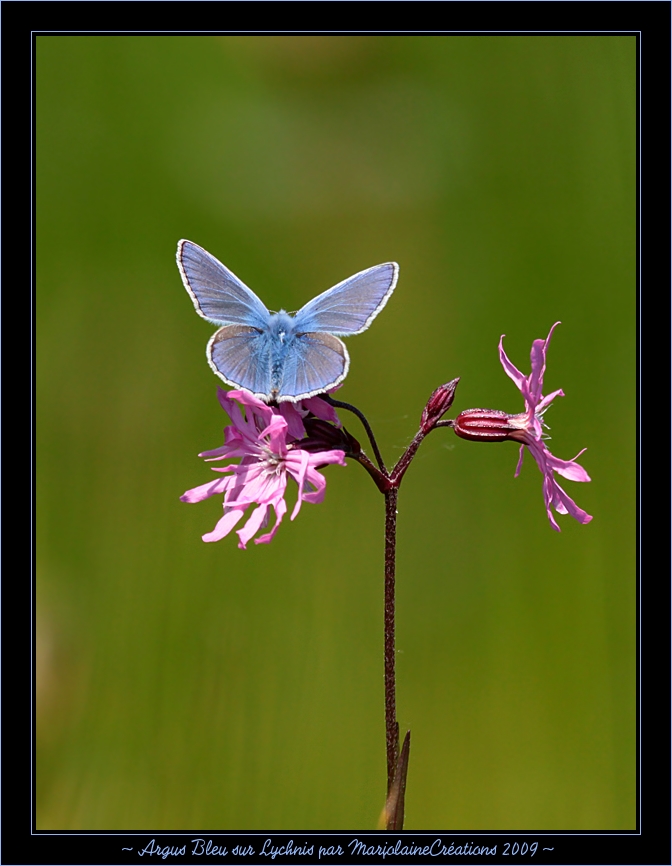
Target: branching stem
<point>388,483</point>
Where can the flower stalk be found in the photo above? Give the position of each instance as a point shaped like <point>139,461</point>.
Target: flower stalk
<point>391,724</point>
<point>388,484</point>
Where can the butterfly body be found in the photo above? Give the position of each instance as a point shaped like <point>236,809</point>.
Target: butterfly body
<point>279,356</point>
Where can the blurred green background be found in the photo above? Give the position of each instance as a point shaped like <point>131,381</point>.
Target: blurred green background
<point>194,686</point>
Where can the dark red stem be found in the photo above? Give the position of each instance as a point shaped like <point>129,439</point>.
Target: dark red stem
<point>391,726</point>
<point>405,459</point>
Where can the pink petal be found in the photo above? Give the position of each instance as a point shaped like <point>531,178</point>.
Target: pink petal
<point>293,418</point>
<point>530,399</point>
<point>322,410</point>
<point>538,358</point>
<point>246,473</point>
<point>540,452</point>
<point>233,453</point>
<point>314,478</point>
<point>274,489</point>
<point>555,496</point>
<point>549,490</point>
<point>224,525</point>
<point>253,524</point>
<point>322,458</point>
<point>260,487</point>
<point>254,407</point>
<point>245,398</point>
<point>568,468</point>
<point>231,409</point>
<point>299,476</point>
<point>280,511</point>
<point>319,484</point>
<point>222,451</point>
<point>511,371</point>
<point>204,491</point>
<point>277,435</point>
<point>564,504</point>
<point>543,404</point>
<point>550,334</point>
<point>245,438</point>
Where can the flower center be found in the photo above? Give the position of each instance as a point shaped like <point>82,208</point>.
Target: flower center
<point>274,463</point>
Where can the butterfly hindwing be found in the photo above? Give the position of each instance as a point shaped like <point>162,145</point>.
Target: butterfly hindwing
<point>349,307</point>
<point>218,295</point>
<point>241,356</point>
<point>314,363</point>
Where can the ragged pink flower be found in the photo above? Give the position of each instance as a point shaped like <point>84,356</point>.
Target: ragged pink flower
<point>269,453</point>
<point>527,428</point>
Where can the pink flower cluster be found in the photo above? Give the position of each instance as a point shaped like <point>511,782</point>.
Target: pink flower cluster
<point>266,439</point>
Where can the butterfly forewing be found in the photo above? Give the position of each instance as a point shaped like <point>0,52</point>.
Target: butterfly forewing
<point>349,307</point>
<point>218,294</point>
<point>241,356</point>
<point>316,363</point>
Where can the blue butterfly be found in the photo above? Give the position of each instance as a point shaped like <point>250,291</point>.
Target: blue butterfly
<point>279,356</point>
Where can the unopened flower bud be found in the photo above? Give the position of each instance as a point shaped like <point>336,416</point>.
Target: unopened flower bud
<point>437,405</point>
<point>484,425</point>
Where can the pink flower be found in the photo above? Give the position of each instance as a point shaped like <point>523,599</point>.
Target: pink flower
<point>495,426</point>
<point>262,439</point>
